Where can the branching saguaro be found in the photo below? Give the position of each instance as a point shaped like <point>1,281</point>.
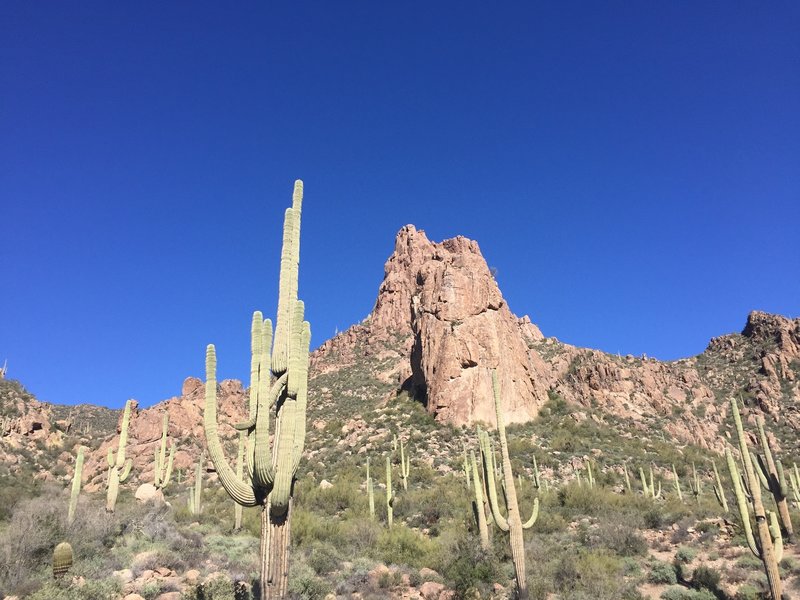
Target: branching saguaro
<point>512,521</point>
<point>769,545</point>
<point>118,467</point>
<point>279,382</point>
<point>770,472</point>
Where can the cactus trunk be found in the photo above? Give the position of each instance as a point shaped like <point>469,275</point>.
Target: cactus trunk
<point>118,467</point>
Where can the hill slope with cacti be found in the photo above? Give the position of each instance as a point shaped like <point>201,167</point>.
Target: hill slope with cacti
<point>618,450</point>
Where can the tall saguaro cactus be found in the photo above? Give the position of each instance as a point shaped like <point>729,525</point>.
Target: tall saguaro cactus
<point>76,487</point>
<point>279,381</point>
<point>164,464</point>
<point>512,521</point>
<point>479,504</point>
<point>769,545</point>
<point>196,492</point>
<point>118,467</point>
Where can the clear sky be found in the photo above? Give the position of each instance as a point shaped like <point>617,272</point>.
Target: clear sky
<point>632,171</point>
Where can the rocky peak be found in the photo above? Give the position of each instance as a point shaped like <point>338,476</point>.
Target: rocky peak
<point>774,330</point>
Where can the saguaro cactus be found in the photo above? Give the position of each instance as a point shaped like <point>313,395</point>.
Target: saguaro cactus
<point>719,491</point>
<point>769,545</point>
<point>118,467</point>
<point>677,483</point>
<point>405,465</point>
<point>370,493</point>
<point>512,522</point>
<point>794,479</point>
<point>389,494</point>
<point>627,478</point>
<point>695,484</point>
<point>279,379</point>
<point>62,559</point>
<point>240,457</point>
<point>649,490</point>
<point>771,475</point>
<point>164,464</point>
<point>76,487</point>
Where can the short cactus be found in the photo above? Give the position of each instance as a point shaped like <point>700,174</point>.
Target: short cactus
<point>62,559</point>
<point>118,467</point>
<point>163,467</point>
<point>76,487</point>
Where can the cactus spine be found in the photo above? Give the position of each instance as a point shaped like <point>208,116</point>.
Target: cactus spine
<point>512,522</point>
<point>771,472</point>
<point>769,546</point>
<point>164,464</point>
<point>76,487</point>
<point>118,467</point>
<point>62,559</point>
<point>279,379</point>
<point>478,504</point>
<point>389,493</point>
<point>405,465</point>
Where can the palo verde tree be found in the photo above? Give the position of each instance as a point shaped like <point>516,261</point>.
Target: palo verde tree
<point>279,382</point>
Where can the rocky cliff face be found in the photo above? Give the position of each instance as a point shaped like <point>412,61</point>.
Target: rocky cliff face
<point>441,324</point>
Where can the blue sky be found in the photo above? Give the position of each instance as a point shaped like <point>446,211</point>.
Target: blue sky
<point>632,171</point>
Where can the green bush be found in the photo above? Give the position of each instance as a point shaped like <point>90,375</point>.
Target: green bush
<point>403,546</point>
<point>662,572</point>
<point>681,593</point>
<point>706,578</point>
<point>305,584</point>
<point>470,569</point>
<point>685,555</point>
<point>63,589</point>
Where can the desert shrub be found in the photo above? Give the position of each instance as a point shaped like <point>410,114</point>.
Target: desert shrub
<point>470,569</point>
<point>747,592</point>
<point>618,537</point>
<point>662,572</point>
<point>593,575</point>
<point>685,555</point>
<point>401,545</point>
<point>706,578</point>
<point>323,559</point>
<point>305,584</point>
<point>63,589</point>
<point>681,593</point>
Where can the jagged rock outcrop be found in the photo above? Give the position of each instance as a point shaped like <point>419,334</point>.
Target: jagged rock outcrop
<point>440,324</point>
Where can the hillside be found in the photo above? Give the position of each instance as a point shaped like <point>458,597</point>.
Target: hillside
<point>418,370</point>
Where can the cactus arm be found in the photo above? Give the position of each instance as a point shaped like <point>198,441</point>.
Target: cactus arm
<point>719,491</point>
<point>483,529</point>
<point>488,477</point>
<point>775,532</point>
<point>263,467</point>
<point>302,398</point>
<point>126,470</point>
<point>534,515</point>
<point>741,504</point>
<point>236,487</point>
<point>677,484</point>
<point>110,458</point>
<point>761,470</point>
<point>627,477</point>
<point>280,358</point>
<point>123,434</point>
